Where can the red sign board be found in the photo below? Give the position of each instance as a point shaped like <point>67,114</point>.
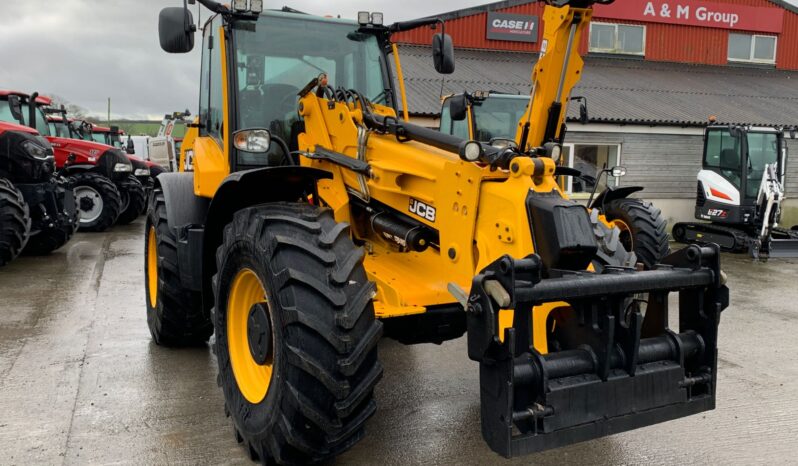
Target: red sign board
<point>696,13</point>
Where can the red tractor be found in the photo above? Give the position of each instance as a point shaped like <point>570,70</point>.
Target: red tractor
<point>105,188</point>
<point>144,170</point>
<point>37,208</point>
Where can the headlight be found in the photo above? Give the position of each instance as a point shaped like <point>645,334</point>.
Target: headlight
<point>142,172</point>
<point>123,167</point>
<point>471,151</point>
<point>35,150</point>
<point>252,140</point>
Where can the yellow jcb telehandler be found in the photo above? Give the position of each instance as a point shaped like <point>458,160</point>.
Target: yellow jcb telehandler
<point>308,218</point>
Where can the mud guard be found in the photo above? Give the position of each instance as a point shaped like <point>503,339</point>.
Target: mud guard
<point>246,189</point>
<point>611,369</point>
<point>611,194</point>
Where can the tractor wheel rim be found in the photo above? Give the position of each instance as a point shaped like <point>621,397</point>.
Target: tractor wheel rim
<point>90,204</point>
<point>626,234</point>
<point>152,267</point>
<point>247,294</point>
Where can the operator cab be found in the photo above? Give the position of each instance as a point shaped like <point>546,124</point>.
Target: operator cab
<point>271,55</point>
<point>734,164</point>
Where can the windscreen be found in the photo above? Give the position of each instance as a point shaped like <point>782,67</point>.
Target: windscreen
<point>283,54</point>
<point>497,117</point>
<point>41,120</point>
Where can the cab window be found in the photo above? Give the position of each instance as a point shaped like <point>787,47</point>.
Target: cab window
<point>211,91</point>
<point>723,155</point>
<point>453,127</point>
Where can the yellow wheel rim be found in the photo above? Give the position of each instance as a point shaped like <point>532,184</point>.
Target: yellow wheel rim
<point>253,379</point>
<point>626,234</point>
<point>152,267</point>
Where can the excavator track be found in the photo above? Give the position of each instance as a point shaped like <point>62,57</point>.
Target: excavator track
<point>728,238</point>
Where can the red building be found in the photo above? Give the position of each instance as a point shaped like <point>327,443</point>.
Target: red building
<point>716,32</point>
<point>655,71</point>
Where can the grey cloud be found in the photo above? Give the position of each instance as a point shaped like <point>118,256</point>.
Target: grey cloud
<point>89,50</point>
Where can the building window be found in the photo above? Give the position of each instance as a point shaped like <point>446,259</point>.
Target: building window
<point>589,159</point>
<point>617,38</point>
<point>752,48</point>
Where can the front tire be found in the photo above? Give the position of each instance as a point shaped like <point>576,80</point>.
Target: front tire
<point>296,337</point>
<point>97,200</point>
<point>14,222</point>
<point>174,314</point>
<point>643,229</point>
<point>134,200</point>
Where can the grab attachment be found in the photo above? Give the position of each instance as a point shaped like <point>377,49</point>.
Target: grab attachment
<point>611,364</point>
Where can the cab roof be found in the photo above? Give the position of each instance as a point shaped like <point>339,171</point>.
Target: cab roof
<point>42,99</point>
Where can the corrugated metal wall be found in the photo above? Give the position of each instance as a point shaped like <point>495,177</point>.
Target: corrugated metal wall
<point>666,165</point>
<point>664,42</point>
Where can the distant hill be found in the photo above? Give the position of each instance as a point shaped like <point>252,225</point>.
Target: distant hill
<point>144,127</point>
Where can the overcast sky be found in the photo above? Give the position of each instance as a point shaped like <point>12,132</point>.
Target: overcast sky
<point>89,50</point>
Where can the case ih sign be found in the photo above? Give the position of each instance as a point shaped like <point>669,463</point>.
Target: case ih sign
<point>516,28</point>
<point>696,13</point>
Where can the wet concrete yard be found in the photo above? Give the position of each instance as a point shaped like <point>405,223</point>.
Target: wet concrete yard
<point>82,383</point>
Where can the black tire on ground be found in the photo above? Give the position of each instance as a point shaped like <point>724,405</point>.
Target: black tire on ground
<point>14,222</point>
<point>98,201</point>
<point>134,200</point>
<point>643,229</point>
<point>324,339</point>
<point>176,318</point>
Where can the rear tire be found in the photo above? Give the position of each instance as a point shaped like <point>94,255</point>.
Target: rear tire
<point>134,200</point>
<point>97,200</point>
<point>322,349</point>
<point>174,314</point>
<point>643,229</point>
<point>14,222</point>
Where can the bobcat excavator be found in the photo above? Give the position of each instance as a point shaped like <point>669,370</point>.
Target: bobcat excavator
<point>741,191</point>
<point>308,218</point>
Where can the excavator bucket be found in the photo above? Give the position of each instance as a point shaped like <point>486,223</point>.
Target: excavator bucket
<point>612,362</point>
<point>783,244</point>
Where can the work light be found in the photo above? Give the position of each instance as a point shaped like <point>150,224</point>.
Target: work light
<point>471,151</point>
<point>240,5</point>
<point>256,6</point>
<point>363,17</point>
<point>377,19</point>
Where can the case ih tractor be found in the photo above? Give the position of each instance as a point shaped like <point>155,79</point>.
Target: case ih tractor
<point>492,118</point>
<point>144,170</point>
<point>313,219</point>
<point>37,210</point>
<point>106,191</point>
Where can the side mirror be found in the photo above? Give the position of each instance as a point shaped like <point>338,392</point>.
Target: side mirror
<point>130,148</point>
<point>443,53</point>
<point>176,30</point>
<point>618,171</point>
<point>115,129</point>
<point>15,104</point>
<point>458,107</point>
